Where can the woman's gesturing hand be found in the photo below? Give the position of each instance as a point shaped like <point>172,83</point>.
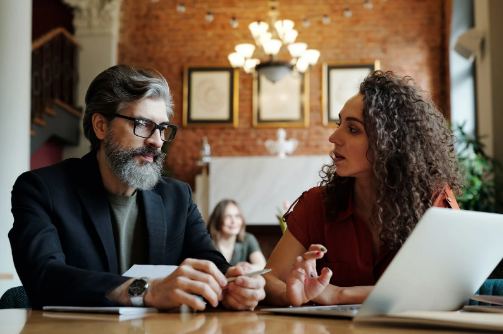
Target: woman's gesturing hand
<point>303,284</point>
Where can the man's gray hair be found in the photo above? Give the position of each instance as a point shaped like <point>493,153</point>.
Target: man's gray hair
<point>116,88</point>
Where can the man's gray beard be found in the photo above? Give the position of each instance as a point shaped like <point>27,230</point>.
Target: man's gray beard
<point>122,163</point>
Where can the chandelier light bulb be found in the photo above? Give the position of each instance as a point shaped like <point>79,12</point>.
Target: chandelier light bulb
<point>209,17</point>
<point>180,8</point>
<point>290,36</point>
<point>347,12</point>
<point>368,4</point>
<point>311,56</point>
<point>236,59</point>
<point>245,49</point>
<point>248,70</point>
<point>272,46</point>
<point>297,49</point>
<point>234,23</point>
<point>257,28</point>
<point>302,65</point>
<point>306,23</point>
<point>250,64</point>
<point>282,26</point>
<point>264,38</point>
<point>325,19</point>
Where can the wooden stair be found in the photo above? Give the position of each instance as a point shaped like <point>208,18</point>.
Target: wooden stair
<point>54,80</point>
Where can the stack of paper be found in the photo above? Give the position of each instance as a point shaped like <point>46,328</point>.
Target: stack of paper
<point>470,317</point>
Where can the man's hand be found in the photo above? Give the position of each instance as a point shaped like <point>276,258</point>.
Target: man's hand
<point>246,266</point>
<point>192,277</point>
<point>245,292</point>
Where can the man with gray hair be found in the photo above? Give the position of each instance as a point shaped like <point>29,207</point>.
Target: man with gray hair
<point>80,224</point>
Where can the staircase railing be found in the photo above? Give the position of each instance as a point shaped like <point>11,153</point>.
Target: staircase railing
<point>54,72</point>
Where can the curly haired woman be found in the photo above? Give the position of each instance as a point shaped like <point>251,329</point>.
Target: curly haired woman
<point>393,158</point>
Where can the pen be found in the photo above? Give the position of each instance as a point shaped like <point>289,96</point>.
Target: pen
<point>253,273</point>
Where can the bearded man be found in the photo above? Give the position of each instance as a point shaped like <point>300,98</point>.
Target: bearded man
<point>80,224</point>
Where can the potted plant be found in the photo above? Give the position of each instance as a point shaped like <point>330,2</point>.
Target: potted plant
<point>482,191</point>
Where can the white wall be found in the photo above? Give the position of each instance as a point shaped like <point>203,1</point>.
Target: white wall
<point>98,53</point>
<point>15,69</point>
<point>489,75</point>
<point>462,78</point>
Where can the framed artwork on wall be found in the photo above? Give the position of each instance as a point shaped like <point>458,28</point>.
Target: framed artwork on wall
<point>284,103</point>
<point>210,96</point>
<point>340,81</point>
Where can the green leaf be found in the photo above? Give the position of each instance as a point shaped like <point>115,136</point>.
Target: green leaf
<point>482,193</point>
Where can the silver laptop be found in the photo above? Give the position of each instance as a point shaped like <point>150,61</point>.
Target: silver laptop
<point>445,260</point>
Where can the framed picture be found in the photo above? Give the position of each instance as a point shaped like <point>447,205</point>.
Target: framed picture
<point>284,103</point>
<point>210,96</point>
<point>340,81</point>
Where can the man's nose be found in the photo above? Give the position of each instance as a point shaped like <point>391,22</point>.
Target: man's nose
<point>155,139</point>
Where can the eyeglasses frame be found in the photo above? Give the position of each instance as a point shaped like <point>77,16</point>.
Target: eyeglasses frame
<point>156,126</point>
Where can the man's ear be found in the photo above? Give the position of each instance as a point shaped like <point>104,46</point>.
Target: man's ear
<point>100,126</point>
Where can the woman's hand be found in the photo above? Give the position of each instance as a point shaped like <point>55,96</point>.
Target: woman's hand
<point>303,284</point>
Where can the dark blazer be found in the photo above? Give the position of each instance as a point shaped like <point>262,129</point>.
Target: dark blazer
<point>62,239</point>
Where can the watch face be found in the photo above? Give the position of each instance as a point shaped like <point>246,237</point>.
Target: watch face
<point>137,287</point>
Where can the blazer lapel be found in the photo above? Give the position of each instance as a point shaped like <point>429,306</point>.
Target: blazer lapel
<point>156,226</point>
<point>93,196</point>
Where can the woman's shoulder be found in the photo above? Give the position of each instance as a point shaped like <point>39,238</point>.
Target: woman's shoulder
<point>445,199</point>
<point>308,204</point>
<point>247,239</point>
<point>315,194</point>
<point>251,243</point>
<point>249,236</point>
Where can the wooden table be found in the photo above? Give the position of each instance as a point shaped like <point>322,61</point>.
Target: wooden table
<point>214,322</point>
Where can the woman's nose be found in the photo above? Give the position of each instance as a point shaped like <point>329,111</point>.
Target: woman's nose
<point>334,137</point>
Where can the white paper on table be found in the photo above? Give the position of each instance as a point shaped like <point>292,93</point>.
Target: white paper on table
<point>105,309</point>
<point>489,299</point>
<point>150,271</point>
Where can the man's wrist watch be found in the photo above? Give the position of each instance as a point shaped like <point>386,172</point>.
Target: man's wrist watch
<point>137,290</point>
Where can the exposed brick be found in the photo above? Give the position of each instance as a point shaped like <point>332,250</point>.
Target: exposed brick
<point>408,36</point>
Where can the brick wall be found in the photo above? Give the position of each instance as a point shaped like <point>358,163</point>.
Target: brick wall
<point>408,36</point>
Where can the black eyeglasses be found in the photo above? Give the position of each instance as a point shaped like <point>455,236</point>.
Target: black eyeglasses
<point>145,128</point>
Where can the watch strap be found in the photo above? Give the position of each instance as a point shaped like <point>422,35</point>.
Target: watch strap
<point>138,300</point>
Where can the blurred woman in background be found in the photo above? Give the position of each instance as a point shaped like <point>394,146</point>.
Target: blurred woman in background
<point>227,230</point>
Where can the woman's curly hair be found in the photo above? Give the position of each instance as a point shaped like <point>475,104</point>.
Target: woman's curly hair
<point>412,153</point>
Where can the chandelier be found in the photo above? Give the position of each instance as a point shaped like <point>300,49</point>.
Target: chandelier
<point>269,39</point>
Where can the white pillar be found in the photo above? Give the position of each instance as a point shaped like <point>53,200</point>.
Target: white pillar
<point>96,25</point>
<point>485,117</point>
<point>463,101</point>
<point>15,78</point>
